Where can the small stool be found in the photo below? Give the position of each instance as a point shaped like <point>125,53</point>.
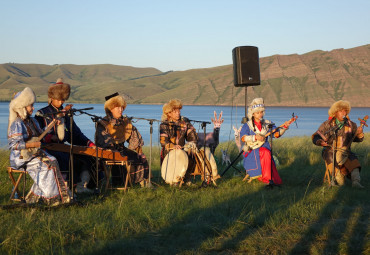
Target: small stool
<point>107,169</point>
<point>21,173</point>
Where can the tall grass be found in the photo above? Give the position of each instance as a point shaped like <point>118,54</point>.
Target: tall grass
<point>304,216</point>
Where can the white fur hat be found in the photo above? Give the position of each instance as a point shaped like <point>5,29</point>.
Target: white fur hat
<point>257,105</point>
<point>20,101</point>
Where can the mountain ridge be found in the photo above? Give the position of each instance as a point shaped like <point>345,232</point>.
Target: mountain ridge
<point>316,78</point>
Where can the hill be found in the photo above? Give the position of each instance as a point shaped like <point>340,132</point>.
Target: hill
<point>316,78</point>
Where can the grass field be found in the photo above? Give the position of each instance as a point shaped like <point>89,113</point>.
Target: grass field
<point>304,216</point>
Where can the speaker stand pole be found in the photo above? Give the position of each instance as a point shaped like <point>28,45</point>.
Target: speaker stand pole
<point>244,120</point>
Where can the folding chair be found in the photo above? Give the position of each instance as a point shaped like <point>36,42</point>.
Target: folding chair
<point>107,164</point>
<point>22,173</point>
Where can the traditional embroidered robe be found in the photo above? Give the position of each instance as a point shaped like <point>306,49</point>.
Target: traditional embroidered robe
<point>257,162</point>
<point>113,133</point>
<point>176,133</point>
<point>345,136</point>
<point>42,167</point>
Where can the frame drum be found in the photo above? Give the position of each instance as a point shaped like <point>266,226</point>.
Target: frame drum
<point>174,166</point>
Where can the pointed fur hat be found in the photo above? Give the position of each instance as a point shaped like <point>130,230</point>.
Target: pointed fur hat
<point>20,101</point>
<point>257,105</point>
<point>113,101</point>
<point>338,106</point>
<point>59,90</point>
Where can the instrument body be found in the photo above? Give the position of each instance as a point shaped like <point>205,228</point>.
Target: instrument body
<point>174,166</point>
<point>28,153</point>
<point>342,154</point>
<point>87,151</point>
<point>251,145</point>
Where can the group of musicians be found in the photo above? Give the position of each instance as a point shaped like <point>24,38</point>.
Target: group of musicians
<point>50,169</point>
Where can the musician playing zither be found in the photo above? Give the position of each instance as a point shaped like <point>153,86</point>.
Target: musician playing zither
<point>175,130</point>
<point>58,93</point>
<point>347,164</point>
<point>257,160</point>
<point>114,130</point>
<point>43,168</point>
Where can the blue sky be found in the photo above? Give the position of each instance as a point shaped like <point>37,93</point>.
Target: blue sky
<point>174,35</point>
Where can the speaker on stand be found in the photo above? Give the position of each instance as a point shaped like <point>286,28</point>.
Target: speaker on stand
<point>246,70</point>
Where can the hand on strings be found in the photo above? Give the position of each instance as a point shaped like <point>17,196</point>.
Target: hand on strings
<point>33,145</point>
<point>91,145</point>
<point>360,130</point>
<point>286,124</point>
<point>57,121</point>
<point>324,144</point>
<point>65,109</point>
<point>177,147</point>
<point>260,138</point>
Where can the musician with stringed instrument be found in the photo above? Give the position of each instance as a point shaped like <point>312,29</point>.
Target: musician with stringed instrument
<point>254,133</point>
<point>339,132</point>
<point>58,93</point>
<point>116,132</point>
<point>48,186</point>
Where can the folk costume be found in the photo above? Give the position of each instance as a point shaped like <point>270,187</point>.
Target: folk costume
<point>48,186</point>
<point>112,133</point>
<point>257,160</point>
<point>82,164</point>
<point>175,132</point>
<point>347,164</point>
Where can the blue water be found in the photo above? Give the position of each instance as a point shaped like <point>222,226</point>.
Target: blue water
<point>308,121</point>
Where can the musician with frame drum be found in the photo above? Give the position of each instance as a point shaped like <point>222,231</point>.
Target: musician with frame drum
<point>114,130</point>
<point>175,130</point>
<point>48,186</point>
<point>58,93</point>
<point>257,160</point>
<point>347,164</point>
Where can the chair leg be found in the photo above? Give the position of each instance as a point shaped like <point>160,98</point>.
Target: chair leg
<point>128,176</point>
<point>16,183</point>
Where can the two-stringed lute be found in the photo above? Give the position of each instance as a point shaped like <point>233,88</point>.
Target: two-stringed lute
<point>27,153</point>
<point>256,144</point>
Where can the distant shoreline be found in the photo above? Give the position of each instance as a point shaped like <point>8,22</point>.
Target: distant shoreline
<point>267,105</point>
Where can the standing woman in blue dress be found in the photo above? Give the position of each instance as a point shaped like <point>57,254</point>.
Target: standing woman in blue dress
<point>49,186</point>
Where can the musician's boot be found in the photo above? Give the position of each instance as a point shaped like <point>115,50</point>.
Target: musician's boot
<point>82,186</point>
<point>355,177</point>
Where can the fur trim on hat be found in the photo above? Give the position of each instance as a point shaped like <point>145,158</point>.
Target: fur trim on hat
<point>20,101</point>
<point>339,105</point>
<point>113,102</point>
<point>169,107</point>
<point>59,91</point>
<point>257,105</point>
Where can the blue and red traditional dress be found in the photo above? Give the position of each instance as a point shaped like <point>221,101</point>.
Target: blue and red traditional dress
<point>257,161</point>
<point>43,168</point>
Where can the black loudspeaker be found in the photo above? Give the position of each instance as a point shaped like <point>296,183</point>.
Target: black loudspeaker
<point>246,66</point>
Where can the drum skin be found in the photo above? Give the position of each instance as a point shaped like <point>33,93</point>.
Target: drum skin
<point>174,166</point>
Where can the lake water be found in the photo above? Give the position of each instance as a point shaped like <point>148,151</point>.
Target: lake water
<point>308,121</point>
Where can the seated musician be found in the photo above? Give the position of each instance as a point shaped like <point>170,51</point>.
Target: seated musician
<point>48,186</point>
<point>175,130</point>
<point>114,130</point>
<point>58,93</point>
<point>347,164</point>
<point>257,160</point>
